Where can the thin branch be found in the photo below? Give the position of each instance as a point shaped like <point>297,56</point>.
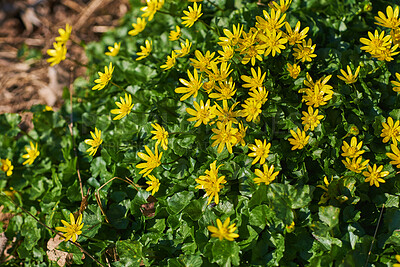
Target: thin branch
<point>373,240</point>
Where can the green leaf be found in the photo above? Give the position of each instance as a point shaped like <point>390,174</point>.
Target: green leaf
<point>329,215</point>
<point>129,252</point>
<point>179,201</point>
<point>259,216</point>
<point>225,253</point>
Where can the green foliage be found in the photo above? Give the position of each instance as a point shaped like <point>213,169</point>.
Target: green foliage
<point>297,219</point>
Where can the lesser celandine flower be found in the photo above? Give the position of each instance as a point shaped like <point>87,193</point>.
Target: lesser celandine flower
<point>151,8</point>
<point>224,136</point>
<point>227,53</point>
<point>221,74</point>
<point>185,49</point>
<point>271,22</point>
<point>311,119</point>
<point>231,38</point>
<point>202,62</point>
<point>396,84</point>
<point>304,51</point>
<point>95,142</point>
<point>113,50</point>
<point>241,134</point>
<point>124,107</point>
<point>225,90</point>
<point>398,261</point>
<point>391,130</point>
<point>295,36</point>
<point>266,176</point>
<point>174,35</point>
<point>104,78</point>
<point>355,164</point>
<point>73,229</point>
<point>211,183</point>
<point>171,61</point>
<point>145,50</point>
<point>224,231</point>
<point>294,70</point>
<point>273,42</point>
<point>152,160</point>
<point>6,166</point>
<point>137,27</point>
<point>283,5</point>
<point>251,109</point>
<point>348,77</point>
<point>192,15</point>
<point>374,175</point>
<point>376,43</point>
<point>254,81</point>
<point>202,113</point>
<point>161,135</point>
<point>259,95</point>
<point>64,34</point>
<point>192,86</point>
<point>225,113</point>
<point>32,154</point>
<point>353,150</point>
<point>260,151</point>
<point>395,156</point>
<point>299,139</point>
<point>154,184</point>
<point>57,54</point>
<point>391,21</point>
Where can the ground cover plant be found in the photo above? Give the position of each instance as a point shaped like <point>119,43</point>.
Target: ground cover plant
<point>245,133</point>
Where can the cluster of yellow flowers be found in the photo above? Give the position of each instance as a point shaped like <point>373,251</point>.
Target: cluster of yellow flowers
<point>60,49</point>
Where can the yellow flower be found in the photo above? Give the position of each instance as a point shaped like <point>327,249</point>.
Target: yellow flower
<point>226,90</point>
<point>57,54</point>
<point>374,175</point>
<point>113,50</point>
<point>226,114</point>
<point>154,184</point>
<point>273,42</point>
<point>202,114</point>
<point>231,38</point>
<point>398,260</point>
<point>260,151</point>
<point>203,62</point>
<point>349,77</point>
<point>376,42</point>
<point>224,230</point>
<point>395,156</point>
<point>174,35</point>
<point>6,166</point>
<point>255,81</point>
<point>124,107</point>
<point>138,27</point>
<point>220,74</point>
<point>299,139</point>
<point>192,86</point>
<point>95,142</point>
<point>260,95</point>
<point>211,183</point>
<point>192,15</point>
<point>152,7</point>
<point>283,6</point>
<point>224,136</point>
<point>240,135</point>
<point>295,36</point>
<point>33,153</point>
<point>391,21</point>
<point>355,164</point>
<point>252,53</point>
<point>251,109</point>
<point>171,61</point>
<point>227,53</point>
<point>208,86</point>
<point>396,84</point>
<point>305,51</point>
<point>272,22</point>
<point>145,50</point>
<point>325,196</point>
<point>47,108</point>
<point>73,229</point>
<point>153,161</point>
<point>64,34</point>
<point>353,150</point>
<point>311,119</point>
<point>318,93</point>
<point>294,70</point>
<point>104,78</point>
<point>387,53</point>
<point>161,135</point>
<point>395,34</point>
<point>185,49</point>
<point>266,176</point>
<point>391,131</point>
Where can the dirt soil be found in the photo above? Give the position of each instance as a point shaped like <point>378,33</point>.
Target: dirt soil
<point>34,24</point>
